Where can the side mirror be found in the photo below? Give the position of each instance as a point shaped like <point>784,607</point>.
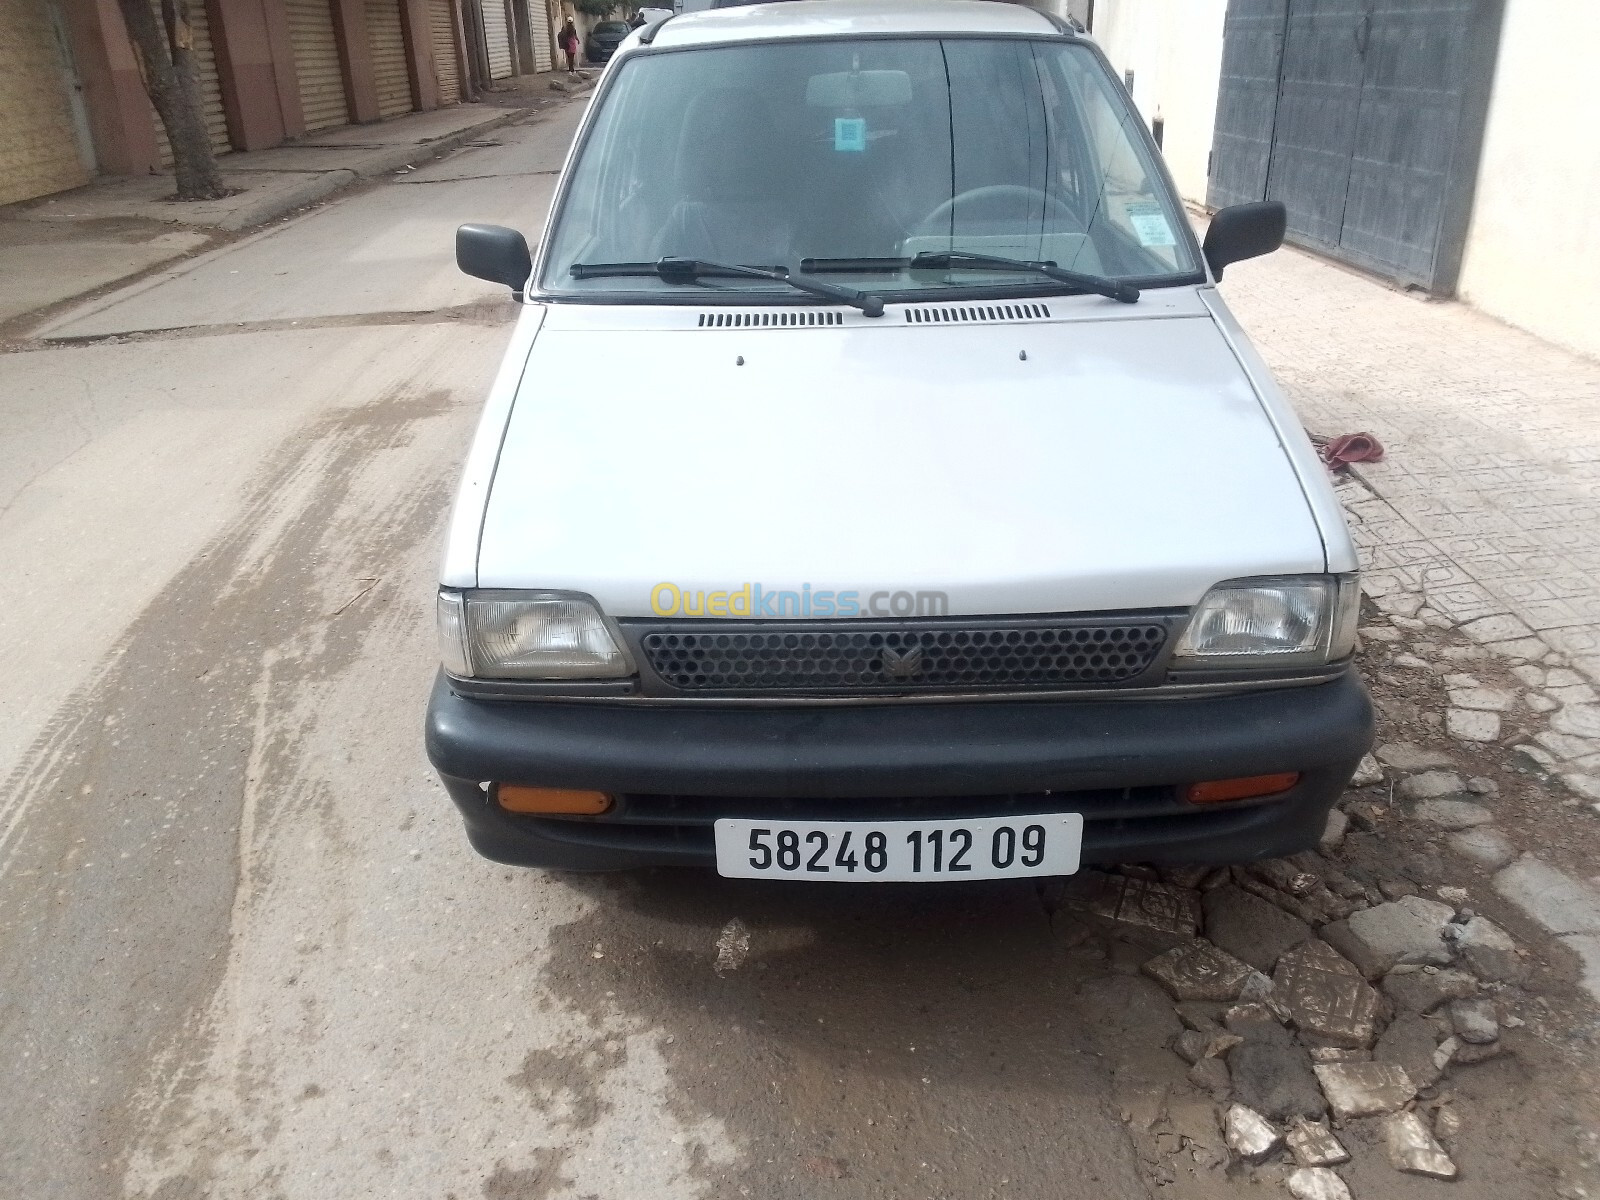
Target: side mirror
<point>495,253</point>
<point>1243,231</point>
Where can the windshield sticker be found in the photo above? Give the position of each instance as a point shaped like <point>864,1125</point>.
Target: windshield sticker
<point>850,133</point>
<point>1150,225</point>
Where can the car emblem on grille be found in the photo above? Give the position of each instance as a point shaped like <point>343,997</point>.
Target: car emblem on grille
<point>902,665</point>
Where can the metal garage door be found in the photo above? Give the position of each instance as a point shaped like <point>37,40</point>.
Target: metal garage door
<point>497,39</point>
<point>543,35</point>
<point>38,148</point>
<point>205,62</point>
<point>442,33</point>
<point>389,68</point>
<point>1365,118</point>
<point>1247,101</point>
<point>316,63</point>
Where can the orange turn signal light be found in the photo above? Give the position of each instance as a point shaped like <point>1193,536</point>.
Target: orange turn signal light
<point>518,799</point>
<point>1220,791</point>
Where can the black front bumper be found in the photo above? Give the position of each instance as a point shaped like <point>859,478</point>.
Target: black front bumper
<point>676,768</point>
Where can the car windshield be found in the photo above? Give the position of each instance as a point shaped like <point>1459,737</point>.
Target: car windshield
<point>612,28</point>
<point>844,159</point>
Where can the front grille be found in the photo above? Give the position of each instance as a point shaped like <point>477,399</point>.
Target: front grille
<point>863,657</point>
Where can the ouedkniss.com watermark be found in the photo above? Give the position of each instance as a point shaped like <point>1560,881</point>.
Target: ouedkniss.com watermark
<point>754,600</point>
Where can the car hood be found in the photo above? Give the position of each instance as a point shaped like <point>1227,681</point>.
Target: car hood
<point>1119,459</point>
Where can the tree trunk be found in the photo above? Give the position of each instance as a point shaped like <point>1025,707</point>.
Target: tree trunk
<point>167,65</point>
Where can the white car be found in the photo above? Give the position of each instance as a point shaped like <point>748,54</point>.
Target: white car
<point>877,487</point>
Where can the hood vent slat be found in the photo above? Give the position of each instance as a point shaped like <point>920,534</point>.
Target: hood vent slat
<point>918,315</point>
<point>769,320</point>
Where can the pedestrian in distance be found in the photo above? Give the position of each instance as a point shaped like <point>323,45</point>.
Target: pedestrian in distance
<point>569,46</point>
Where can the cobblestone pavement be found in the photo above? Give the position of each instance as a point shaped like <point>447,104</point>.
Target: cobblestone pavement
<point>1488,502</point>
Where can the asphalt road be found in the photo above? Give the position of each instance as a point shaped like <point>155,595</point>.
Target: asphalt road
<point>245,950</point>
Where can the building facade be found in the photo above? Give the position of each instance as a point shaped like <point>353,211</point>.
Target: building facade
<point>1426,141</point>
<point>72,103</point>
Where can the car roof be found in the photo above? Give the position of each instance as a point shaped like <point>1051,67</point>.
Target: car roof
<point>842,18</point>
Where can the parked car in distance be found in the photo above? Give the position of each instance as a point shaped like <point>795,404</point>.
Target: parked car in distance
<point>603,40</point>
<point>933,518</point>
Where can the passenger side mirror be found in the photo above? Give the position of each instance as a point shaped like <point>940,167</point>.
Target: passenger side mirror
<point>1243,231</point>
<point>495,253</point>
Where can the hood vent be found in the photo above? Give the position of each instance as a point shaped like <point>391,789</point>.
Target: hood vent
<point>916,314</point>
<point>768,320</point>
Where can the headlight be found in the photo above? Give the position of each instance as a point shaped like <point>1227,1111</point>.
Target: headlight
<point>527,635</point>
<point>1297,620</point>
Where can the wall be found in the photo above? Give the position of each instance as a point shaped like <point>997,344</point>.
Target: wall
<point>1174,48</point>
<point>38,144</point>
<point>1533,247</point>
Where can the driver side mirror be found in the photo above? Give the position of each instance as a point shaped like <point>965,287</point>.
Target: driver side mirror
<point>495,253</point>
<point>1243,231</point>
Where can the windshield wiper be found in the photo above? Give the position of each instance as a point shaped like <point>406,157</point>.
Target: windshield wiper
<point>687,270</point>
<point>959,260</point>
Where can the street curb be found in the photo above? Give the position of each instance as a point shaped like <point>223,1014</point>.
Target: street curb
<point>327,183</point>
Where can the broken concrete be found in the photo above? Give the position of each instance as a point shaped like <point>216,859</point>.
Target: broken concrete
<point>1482,846</point>
<point>1314,1145</point>
<point>1587,947</point>
<point>1364,1089</point>
<point>1418,990</point>
<point>1271,1073</point>
<point>1578,720</point>
<point>1408,930</point>
<point>1431,784</point>
<point>1285,874</point>
<point>1316,1183</point>
<point>1249,1134</point>
<point>1489,951</point>
<point>1453,814</point>
<point>1368,772</point>
<point>1198,971</point>
<point>1412,1148</point>
<point>1141,903</point>
<point>1406,756</point>
<point>1211,1075</point>
<point>1472,726</point>
<point>1249,928</point>
<point>1475,1021</point>
<point>1325,996</point>
<point>1409,1043</point>
<point>1553,898</point>
<point>1333,833</point>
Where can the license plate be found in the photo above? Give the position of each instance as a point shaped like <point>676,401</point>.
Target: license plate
<point>889,851</point>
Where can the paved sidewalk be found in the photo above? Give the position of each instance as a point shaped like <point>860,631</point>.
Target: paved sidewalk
<point>1487,506</point>
<point>61,246</point>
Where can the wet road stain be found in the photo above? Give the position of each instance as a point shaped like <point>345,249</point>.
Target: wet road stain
<point>131,819</point>
<point>884,1042</point>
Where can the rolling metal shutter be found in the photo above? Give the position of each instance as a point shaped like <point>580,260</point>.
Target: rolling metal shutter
<point>316,63</point>
<point>497,38</point>
<point>389,68</point>
<point>442,33</point>
<point>205,61</point>
<point>38,149</point>
<point>543,35</point>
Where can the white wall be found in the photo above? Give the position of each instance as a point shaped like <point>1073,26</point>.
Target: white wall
<point>1533,248</point>
<point>1174,48</point>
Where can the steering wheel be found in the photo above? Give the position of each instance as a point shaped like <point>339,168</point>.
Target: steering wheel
<point>994,192</point>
